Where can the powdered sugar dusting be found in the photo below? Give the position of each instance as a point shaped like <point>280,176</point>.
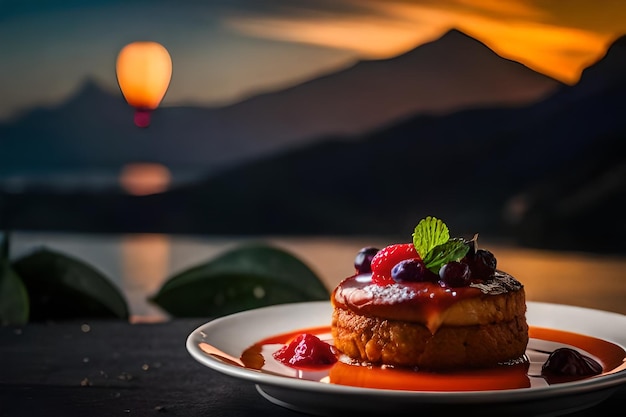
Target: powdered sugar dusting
<point>391,293</point>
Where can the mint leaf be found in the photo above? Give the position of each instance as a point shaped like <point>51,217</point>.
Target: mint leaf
<point>429,233</point>
<point>452,250</point>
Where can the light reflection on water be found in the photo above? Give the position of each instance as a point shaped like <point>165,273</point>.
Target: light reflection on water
<point>139,264</point>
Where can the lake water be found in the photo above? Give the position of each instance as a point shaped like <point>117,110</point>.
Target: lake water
<point>139,264</point>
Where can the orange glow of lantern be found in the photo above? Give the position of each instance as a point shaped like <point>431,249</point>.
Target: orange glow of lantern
<point>144,70</point>
<point>145,178</point>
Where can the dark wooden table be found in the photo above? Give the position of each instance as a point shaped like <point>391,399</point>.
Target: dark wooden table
<point>113,368</point>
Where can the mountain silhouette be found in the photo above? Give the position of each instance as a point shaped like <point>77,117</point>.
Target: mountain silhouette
<point>543,175</point>
<point>93,129</point>
<point>550,173</point>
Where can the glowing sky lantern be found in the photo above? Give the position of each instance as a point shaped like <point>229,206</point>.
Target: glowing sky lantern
<point>143,71</point>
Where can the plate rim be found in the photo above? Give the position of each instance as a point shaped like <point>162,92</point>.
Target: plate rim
<point>285,382</point>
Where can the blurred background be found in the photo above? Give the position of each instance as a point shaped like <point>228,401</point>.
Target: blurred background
<point>307,120</point>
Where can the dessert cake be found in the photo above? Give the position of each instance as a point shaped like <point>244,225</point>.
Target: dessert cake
<point>435,304</point>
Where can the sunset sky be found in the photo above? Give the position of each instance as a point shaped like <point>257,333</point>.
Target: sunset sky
<point>226,50</point>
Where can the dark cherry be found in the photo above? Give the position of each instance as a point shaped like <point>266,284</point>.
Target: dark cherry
<point>363,260</point>
<point>455,274</point>
<point>410,270</point>
<point>482,263</point>
<point>566,362</point>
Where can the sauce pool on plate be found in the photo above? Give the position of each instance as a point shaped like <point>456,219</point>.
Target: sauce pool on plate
<point>268,355</point>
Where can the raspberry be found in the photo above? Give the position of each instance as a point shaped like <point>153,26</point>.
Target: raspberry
<point>382,280</point>
<point>387,258</point>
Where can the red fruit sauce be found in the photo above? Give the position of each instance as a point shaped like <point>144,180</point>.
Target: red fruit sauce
<point>306,351</point>
<point>524,373</point>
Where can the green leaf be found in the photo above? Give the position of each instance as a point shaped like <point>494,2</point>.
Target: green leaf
<point>14,305</point>
<point>452,250</point>
<point>244,278</point>
<point>61,287</point>
<point>429,233</point>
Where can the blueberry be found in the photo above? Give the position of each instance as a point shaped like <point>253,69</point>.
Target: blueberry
<point>363,260</point>
<point>410,270</point>
<point>455,274</point>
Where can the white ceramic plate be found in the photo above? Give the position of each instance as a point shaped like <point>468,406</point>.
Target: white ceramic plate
<point>231,335</point>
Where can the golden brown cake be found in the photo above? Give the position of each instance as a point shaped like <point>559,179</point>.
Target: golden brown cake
<point>397,311</point>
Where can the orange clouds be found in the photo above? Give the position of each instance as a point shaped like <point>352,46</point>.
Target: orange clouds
<point>562,53</point>
<point>559,39</point>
